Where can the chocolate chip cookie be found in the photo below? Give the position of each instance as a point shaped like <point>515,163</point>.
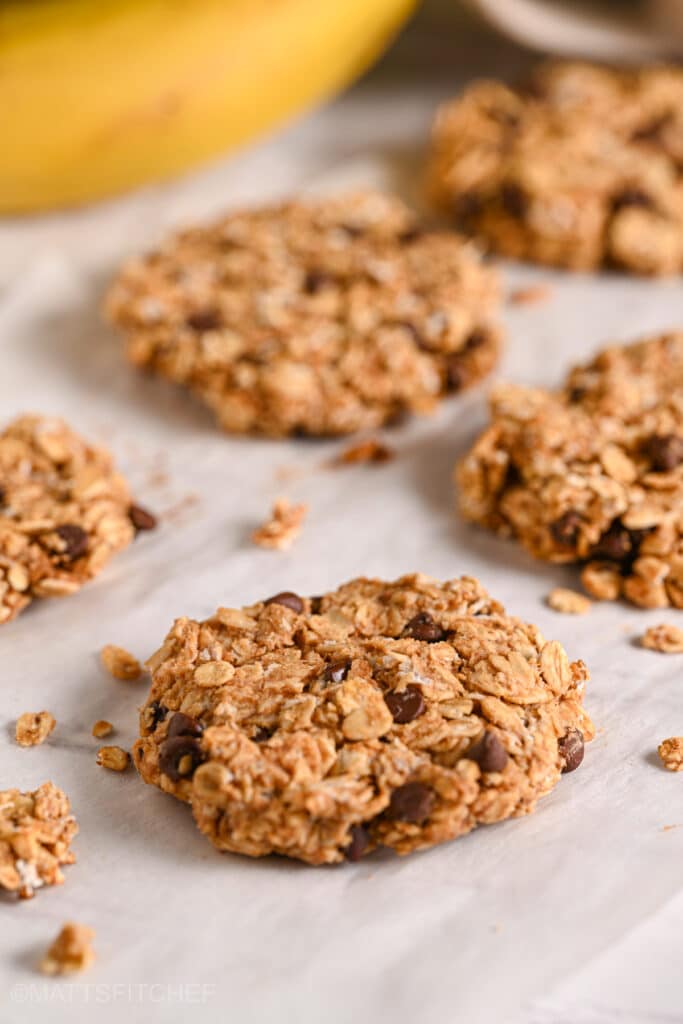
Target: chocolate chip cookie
<point>36,830</point>
<point>320,317</point>
<point>592,473</point>
<point>382,714</point>
<point>64,511</point>
<point>581,167</point>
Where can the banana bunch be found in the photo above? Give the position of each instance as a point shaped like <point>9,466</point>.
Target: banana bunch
<point>99,95</point>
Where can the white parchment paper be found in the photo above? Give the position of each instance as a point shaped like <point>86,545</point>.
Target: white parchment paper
<point>573,914</point>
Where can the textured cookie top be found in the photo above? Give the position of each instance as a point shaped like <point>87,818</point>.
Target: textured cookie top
<point>64,511</point>
<point>399,714</point>
<point>593,472</point>
<point>320,317</point>
<point>35,832</point>
<point>583,166</point>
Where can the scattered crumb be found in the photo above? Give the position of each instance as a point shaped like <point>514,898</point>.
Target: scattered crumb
<point>568,601</point>
<point>102,728</point>
<point>284,526</point>
<point>71,951</point>
<point>372,450</point>
<point>116,759</point>
<point>34,727</point>
<point>531,295</point>
<point>119,663</point>
<point>669,828</point>
<point>671,753</point>
<point>664,638</point>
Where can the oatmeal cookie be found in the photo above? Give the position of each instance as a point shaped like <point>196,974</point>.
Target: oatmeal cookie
<point>320,318</point>
<point>35,832</point>
<point>581,167</point>
<point>396,714</point>
<point>592,473</point>
<point>64,511</point>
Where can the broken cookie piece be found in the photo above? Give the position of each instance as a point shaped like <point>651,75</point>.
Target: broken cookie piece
<point>283,527</point>
<point>71,951</point>
<point>33,728</point>
<point>36,830</point>
<point>393,714</point>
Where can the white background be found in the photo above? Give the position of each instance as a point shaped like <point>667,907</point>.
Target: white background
<point>573,914</point>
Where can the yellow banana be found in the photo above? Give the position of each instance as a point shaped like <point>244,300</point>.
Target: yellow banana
<point>99,95</point>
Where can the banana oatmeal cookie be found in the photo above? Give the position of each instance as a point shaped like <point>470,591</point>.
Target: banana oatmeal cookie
<point>382,714</point>
<point>581,167</point>
<point>320,317</point>
<point>64,511</point>
<point>592,473</point>
<point>35,832</point>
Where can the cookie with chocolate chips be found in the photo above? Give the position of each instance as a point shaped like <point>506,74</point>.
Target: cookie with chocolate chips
<point>322,317</point>
<point>592,473</point>
<point>393,714</point>
<point>580,167</point>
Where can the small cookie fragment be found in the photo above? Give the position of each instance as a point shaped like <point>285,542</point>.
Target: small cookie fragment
<point>561,599</point>
<point>665,638</point>
<point>531,295</point>
<point>120,664</point>
<point>321,317</point>
<point>33,728</point>
<point>102,728</point>
<point>671,753</point>
<point>397,714</point>
<point>116,759</point>
<point>36,830</point>
<point>372,451</point>
<point>283,527</point>
<point>71,951</point>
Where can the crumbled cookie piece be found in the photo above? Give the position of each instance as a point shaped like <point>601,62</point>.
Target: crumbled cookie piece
<point>580,167</point>
<point>665,638</point>
<point>372,451</point>
<point>35,832</point>
<point>592,473</point>
<point>120,664</point>
<point>671,753</point>
<point>397,714</point>
<point>116,759</point>
<point>283,527</point>
<point>33,728</point>
<point>64,511</point>
<point>568,601</point>
<point>530,296</point>
<point>71,951</point>
<point>102,728</point>
<point>322,317</point>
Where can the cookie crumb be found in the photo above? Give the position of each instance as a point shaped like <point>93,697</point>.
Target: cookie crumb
<point>36,829</point>
<point>71,951</point>
<point>284,526</point>
<point>116,759</point>
<point>102,728</point>
<point>664,638</point>
<point>671,753</point>
<point>530,296</point>
<point>120,664</point>
<point>33,728</point>
<point>568,601</point>
<point>371,450</point>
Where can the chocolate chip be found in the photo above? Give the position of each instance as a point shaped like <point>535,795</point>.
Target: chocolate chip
<point>457,374</point>
<point>262,734</point>
<point>423,627</point>
<point>631,197</point>
<point>153,714</point>
<point>665,452</point>
<point>577,394</point>
<point>141,518</point>
<point>358,843</point>
<point>571,750</point>
<point>514,200</point>
<point>179,757</point>
<point>488,752</point>
<point>2,496</point>
<point>183,725</point>
<point>337,671</point>
<point>204,320</point>
<point>565,530</point>
<point>289,600</point>
<point>411,802</point>
<point>316,605</point>
<point>316,280</point>
<point>75,541</point>
<point>616,544</point>
<point>405,705</point>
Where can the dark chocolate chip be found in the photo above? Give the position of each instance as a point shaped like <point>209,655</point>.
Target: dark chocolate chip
<point>488,752</point>
<point>262,734</point>
<point>405,705</point>
<point>183,725</point>
<point>141,518</point>
<point>204,320</point>
<point>179,757</point>
<point>289,600</point>
<point>423,627</point>
<point>2,496</point>
<point>316,605</point>
<point>616,544</point>
<point>411,802</point>
<point>75,541</point>
<point>514,200</point>
<point>631,197</point>
<point>665,452</point>
<point>577,394</point>
<point>571,750</point>
<point>316,280</point>
<point>153,714</point>
<point>565,530</point>
<point>358,843</point>
<point>337,671</point>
